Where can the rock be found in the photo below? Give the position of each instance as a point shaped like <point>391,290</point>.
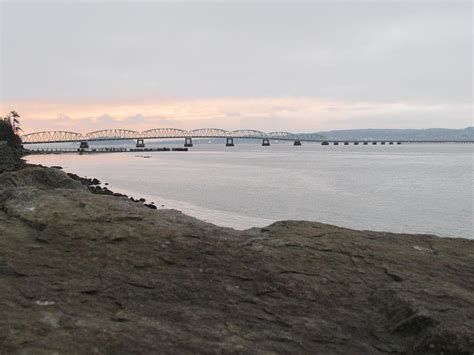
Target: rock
<point>39,178</point>
<point>104,191</point>
<point>10,159</point>
<point>169,283</point>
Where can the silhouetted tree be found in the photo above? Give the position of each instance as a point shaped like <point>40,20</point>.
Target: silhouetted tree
<point>10,129</point>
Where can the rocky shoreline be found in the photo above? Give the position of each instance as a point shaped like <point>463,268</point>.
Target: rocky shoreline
<point>83,270</point>
<point>94,186</point>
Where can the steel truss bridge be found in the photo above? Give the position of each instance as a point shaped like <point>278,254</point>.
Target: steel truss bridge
<point>124,134</point>
<point>160,133</point>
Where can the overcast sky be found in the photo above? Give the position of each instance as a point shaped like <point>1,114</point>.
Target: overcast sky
<point>268,65</point>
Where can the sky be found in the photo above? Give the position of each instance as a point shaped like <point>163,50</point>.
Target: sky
<point>273,66</point>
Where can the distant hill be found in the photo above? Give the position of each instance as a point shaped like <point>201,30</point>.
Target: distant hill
<point>401,134</point>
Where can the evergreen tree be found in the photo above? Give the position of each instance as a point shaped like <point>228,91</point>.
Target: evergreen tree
<point>10,129</point>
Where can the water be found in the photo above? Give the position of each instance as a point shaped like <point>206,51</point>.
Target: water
<point>412,188</point>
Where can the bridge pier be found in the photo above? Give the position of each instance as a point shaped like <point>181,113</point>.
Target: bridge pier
<point>297,142</point>
<point>266,142</point>
<point>84,145</point>
<point>229,142</point>
<point>188,142</point>
<point>140,143</point>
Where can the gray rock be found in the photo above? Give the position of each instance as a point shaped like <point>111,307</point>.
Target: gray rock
<point>119,277</point>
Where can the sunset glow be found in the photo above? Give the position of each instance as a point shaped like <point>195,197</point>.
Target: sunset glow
<point>286,113</point>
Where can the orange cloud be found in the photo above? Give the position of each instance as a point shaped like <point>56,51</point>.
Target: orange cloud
<point>280,113</point>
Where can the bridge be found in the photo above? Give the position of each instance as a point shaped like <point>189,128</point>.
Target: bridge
<point>161,133</point>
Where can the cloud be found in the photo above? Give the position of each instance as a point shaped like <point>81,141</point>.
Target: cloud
<point>294,114</point>
<point>340,50</point>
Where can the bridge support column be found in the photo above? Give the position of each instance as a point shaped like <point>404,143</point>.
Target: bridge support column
<point>84,145</point>
<point>140,143</point>
<point>229,142</point>
<point>266,142</point>
<point>188,142</point>
<point>297,142</point>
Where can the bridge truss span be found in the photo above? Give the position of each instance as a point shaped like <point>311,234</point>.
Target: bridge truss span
<point>164,133</point>
<point>208,133</point>
<point>51,137</point>
<point>247,133</point>
<point>111,134</point>
<point>283,136</point>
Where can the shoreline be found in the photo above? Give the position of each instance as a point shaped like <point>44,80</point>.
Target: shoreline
<point>400,203</point>
<point>94,186</point>
<point>78,268</point>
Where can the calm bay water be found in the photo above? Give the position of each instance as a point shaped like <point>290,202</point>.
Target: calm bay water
<point>412,188</point>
